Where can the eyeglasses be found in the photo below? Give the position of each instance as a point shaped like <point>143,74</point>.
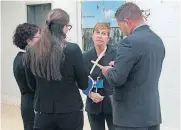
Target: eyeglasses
<point>69,27</point>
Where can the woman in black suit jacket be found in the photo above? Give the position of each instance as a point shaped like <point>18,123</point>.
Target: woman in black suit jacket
<point>24,35</point>
<point>57,67</point>
<point>98,103</point>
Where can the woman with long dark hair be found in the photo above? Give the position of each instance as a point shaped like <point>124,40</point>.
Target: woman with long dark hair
<point>57,66</point>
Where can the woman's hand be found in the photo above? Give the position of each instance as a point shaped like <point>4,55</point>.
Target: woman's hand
<point>96,97</point>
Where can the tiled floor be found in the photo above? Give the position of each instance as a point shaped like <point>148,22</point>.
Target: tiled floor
<point>11,118</point>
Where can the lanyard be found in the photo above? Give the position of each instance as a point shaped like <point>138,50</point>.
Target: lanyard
<point>97,60</point>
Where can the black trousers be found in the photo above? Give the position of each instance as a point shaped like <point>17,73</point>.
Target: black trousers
<point>157,127</point>
<point>62,121</point>
<point>97,121</point>
<point>27,111</point>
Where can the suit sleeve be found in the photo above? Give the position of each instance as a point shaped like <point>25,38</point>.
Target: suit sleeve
<point>80,71</point>
<point>124,62</point>
<point>19,74</point>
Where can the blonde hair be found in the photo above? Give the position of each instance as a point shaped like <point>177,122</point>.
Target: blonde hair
<point>101,26</point>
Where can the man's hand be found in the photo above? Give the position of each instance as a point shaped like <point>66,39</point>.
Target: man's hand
<point>105,69</point>
<point>111,63</point>
<point>96,97</point>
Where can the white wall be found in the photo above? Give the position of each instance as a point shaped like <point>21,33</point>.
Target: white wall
<point>12,13</point>
<point>167,26</point>
<point>165,21</point>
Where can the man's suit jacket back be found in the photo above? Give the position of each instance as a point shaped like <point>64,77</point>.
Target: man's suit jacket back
<point>135,79</point>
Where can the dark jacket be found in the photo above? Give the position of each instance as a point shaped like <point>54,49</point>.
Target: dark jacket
<point>105,105</point>
<point>61,96</point>
<point>19,74</point>
<point>135,77</point>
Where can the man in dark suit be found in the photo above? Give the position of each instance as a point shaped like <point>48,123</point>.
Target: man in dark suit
<point>136,72</point>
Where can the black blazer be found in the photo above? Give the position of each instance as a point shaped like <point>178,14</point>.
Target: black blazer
<point>105,105</point>
<point>61,96</point>
<point>19,74</point>
<point>135,77</point>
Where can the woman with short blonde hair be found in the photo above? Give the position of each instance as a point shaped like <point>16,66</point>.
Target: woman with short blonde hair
<point>98,103</point>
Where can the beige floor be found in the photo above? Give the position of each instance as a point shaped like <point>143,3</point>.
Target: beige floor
<point>11,118</point>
